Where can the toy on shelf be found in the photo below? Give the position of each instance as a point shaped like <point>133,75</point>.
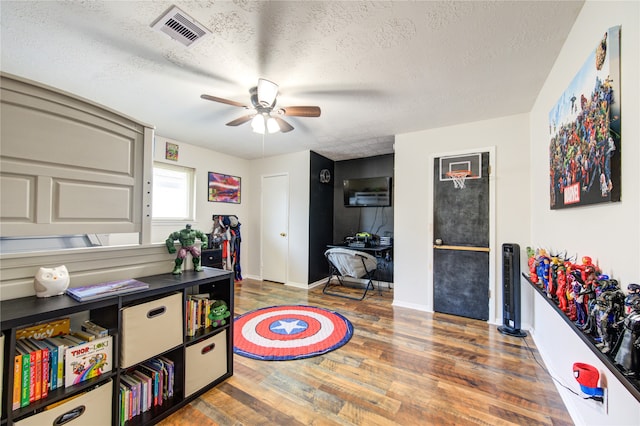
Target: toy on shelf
<point>627,350</point>
<point>219,312</point>
<point>631,290</point>
<point>187,238</point>
<point>594,302</point>
<point>531,255</point>
<point>51,281</point>
<point>607,312</point>
<point>561,292</point>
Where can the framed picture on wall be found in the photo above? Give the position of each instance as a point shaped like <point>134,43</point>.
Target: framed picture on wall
<point>584,127</point>
<point>171,151</point>
<point>224,188</point>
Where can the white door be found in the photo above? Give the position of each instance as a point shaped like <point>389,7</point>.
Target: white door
<point>275,227</point>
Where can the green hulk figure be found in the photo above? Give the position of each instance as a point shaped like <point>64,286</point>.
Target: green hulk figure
<point>219,311</point>
<point>187,238</point>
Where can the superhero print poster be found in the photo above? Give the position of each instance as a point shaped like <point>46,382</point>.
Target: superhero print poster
<point>224,188</point>
<point>584,127</point>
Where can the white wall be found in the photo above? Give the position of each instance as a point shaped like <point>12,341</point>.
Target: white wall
<point>413,225</point>
<point>205,161</point>
<point>609,233</point>
<point>297,167</point>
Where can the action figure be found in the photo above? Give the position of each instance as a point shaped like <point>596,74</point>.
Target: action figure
<point>561,292</point>
<point>187,238</point>
<point>607,312</point>
<point>627,351</point>
<point>578,298</point>
<point>543,272</point>
<point>632,289</point>
<point>219,311</point>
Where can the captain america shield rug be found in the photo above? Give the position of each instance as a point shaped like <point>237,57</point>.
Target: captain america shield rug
<point>281,333</point>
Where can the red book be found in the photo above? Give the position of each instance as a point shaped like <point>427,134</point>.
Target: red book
<point>46,372</point>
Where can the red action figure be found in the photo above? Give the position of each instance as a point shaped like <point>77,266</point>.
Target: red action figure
<point>562,289</point>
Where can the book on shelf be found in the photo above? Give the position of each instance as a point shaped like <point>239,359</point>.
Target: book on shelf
<point>53,363</point>
<point>17,379</point>
<point>60,347</point>
<point>45,329</point>
<point>170,372</point>
<point>147,386</point>
<point>134,380</point>
<point>87,360</point>
<point>25,383</point>
<point>93,328</point>
<point>45,375</point>
<point>198,308</point>
<point>73,339</point>
<point>134,386</point>
<point>156,389</point>
<point>83,335</point>
<point>35,371</point>
<point>107,289</point>
<point>124,403</point>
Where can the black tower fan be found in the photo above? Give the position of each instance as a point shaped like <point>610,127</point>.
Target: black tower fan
<point>511,291</point>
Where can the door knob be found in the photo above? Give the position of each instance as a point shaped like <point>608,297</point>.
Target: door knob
<point>282,234</point>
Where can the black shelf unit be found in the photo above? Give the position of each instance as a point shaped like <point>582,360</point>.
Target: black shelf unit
<point>25,311</point>
<point>631,384</point>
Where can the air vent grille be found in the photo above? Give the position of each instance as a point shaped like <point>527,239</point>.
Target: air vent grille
<point>180,27</point>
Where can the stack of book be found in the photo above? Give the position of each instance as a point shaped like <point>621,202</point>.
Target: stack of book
<point>107,289</point>
<point>147,385</point>
<point>198,309</point>
<point>50,356</point>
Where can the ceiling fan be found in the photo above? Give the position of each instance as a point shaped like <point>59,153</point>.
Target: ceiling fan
<point>263,101</point>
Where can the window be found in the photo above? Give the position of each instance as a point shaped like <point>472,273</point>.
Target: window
<point>173,189</point>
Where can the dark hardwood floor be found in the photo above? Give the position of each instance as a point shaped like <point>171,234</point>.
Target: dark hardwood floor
<point>401,367</point>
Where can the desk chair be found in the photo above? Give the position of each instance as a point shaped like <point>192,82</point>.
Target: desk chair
<point>350,263</point>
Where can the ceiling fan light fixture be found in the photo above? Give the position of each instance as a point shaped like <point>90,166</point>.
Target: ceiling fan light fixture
<point>267,92</point>
<point>272,125</point>
<point>263,99</point>
<point>258,124</point>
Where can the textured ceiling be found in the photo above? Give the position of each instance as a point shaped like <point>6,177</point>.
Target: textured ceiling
<point>376,69</point>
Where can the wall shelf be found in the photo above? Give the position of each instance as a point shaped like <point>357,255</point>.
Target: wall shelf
<point>631,384</point>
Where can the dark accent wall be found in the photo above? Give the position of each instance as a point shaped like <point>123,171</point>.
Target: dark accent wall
<point>320,216</point>
<point>349,220</point>
<point>329,220</point>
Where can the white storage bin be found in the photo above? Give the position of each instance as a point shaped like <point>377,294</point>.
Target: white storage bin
<point>91,408</point>
<point>205,362</point>
<point>150,329</point>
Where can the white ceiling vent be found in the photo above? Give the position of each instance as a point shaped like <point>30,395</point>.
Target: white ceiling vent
<point>180,27</point>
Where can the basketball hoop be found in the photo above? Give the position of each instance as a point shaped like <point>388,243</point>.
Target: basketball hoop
<point>458,177</point>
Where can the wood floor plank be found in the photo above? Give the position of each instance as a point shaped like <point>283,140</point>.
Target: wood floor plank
<point>401,367</point>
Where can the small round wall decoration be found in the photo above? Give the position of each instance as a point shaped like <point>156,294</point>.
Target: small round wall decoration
<point>288,332</point>
<point>325,176</point>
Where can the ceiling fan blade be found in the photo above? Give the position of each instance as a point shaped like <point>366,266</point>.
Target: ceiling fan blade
<point>241,120</point>
<point>300,111</point>
<point>284,126</point>
<point>223,101</point>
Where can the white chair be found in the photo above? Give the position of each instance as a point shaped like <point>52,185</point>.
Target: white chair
<point>350,263</point>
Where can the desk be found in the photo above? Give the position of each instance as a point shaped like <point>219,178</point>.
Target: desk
<point>384,255</point>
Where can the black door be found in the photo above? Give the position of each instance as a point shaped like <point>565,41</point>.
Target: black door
<point>461,237</point>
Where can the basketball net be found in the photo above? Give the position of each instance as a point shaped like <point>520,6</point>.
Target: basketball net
<point>458,177</point>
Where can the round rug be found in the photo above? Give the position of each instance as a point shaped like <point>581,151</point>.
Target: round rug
<point>280,333</point>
